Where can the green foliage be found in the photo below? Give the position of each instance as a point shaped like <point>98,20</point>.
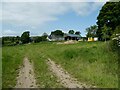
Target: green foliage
<point>37,39</point>
<point>113,45</point>
<point>57,33</point>
<point>109,15</point>
<point>10,41</point>
<point>25,37</point>
<point>44,38</point>
<point>77,33</point>
<point>40,38</point>
<point>17,40</point>
<point>91,31</point>
<point>115,40</point>
<point>117,31</point>
<point>71,32</point>
<point>105,33</point>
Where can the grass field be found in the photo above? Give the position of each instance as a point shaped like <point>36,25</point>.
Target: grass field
<point>0,67</point>
<point>11,60</point>
<point>90,62</point>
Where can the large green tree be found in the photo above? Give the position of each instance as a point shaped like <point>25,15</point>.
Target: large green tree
<point>91,31</point>
<point>109,15</point>
<point>25,37</point>
<point>57,33</point>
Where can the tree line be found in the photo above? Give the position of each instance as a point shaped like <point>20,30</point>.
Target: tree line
<point>25,37</point>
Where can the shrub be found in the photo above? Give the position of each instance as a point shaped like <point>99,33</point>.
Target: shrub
<point>113,45</point>
<point>115,40</point>
<point>40,38</point>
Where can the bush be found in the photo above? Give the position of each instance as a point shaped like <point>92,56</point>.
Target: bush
<point>39,39</point>
<point>113,45</point>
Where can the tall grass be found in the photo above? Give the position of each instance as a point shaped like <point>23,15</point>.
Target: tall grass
<point>0,67</point>
<point>44,77</point>
<point>89,62</point>
<point>12,58</point>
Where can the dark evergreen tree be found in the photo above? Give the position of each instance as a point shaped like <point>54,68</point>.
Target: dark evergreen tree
<point>25,37</point>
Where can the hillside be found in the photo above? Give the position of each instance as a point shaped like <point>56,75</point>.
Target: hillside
<point>91,63</point>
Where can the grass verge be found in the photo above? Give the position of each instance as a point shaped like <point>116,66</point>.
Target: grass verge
<point>11,60</point>
<point>44,77</point>
<point>90,62</point>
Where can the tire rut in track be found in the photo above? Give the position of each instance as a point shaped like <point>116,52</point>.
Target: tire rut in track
<point>26,77</point>
<point>64,77</point>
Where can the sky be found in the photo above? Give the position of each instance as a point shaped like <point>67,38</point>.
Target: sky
<point>40,17</point>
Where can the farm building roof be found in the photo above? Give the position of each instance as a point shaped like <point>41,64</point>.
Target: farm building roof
<point>72,35</point>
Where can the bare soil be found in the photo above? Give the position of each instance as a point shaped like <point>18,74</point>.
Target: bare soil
<point>68,42</point>
<point>64,77</point>
<point>26,77</point>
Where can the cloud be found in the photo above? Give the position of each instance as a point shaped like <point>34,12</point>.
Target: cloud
<point>56,0</point>
<point>31,13</point>
<point>83,8</point>
<point>9,32</point>
<point>37,13</point>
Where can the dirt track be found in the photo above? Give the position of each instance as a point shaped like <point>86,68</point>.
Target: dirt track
<point>65,78</point>
<point>26,77</point>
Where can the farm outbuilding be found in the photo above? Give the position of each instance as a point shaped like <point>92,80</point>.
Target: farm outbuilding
<point>55,38</point>
<point>72,37</point>
<point>92,38</point>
